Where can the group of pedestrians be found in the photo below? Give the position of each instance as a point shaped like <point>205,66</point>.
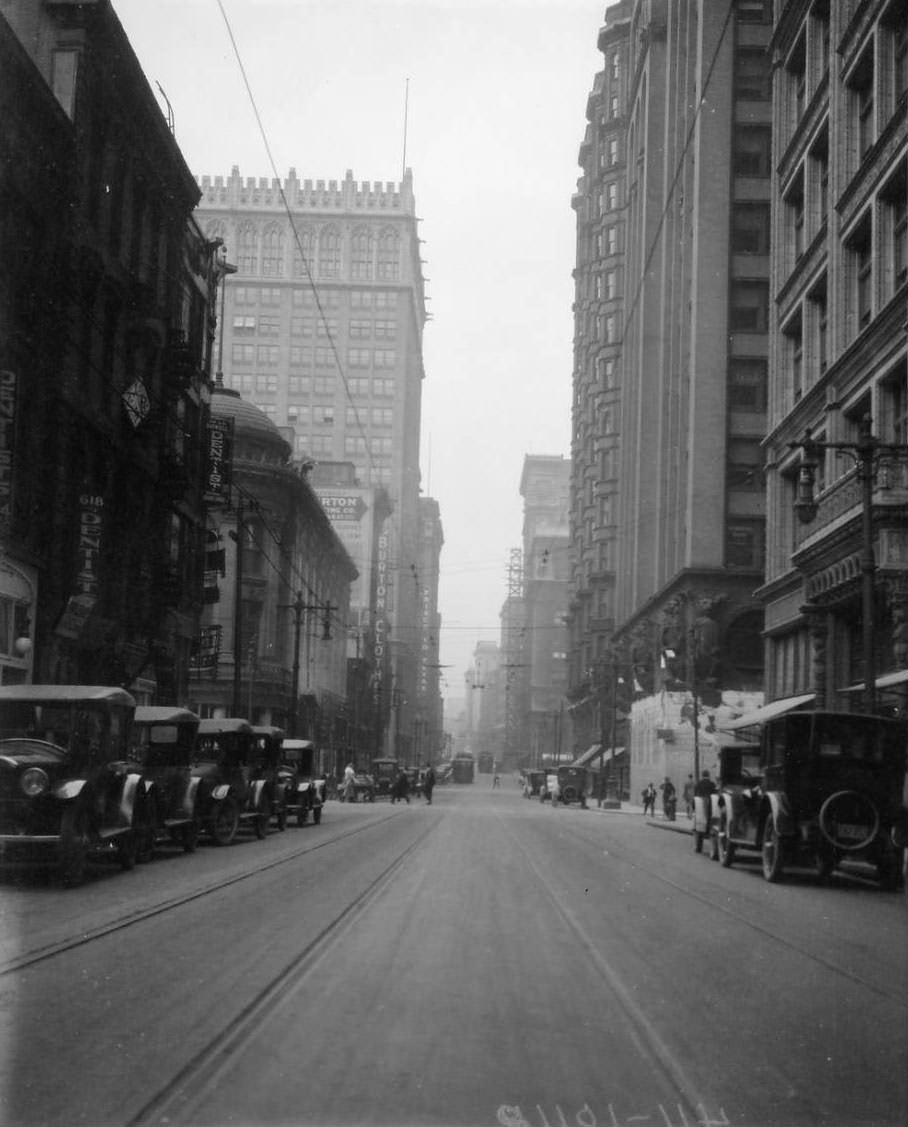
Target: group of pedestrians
<point>702,788</point>
<point>400,789</point>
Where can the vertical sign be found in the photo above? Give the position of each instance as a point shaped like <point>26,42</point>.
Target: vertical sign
<point>9,386</point>
<point>220,459</point>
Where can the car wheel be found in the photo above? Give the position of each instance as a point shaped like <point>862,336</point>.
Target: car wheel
<point>317,815</point>
<point>724,847</point>
<point>302,814</point>
<point>771,851</point>
<point>889,869</point>
<point>260,825</point>
<point>73,847</point>
<point>189,836</point>
<point>823,864</point>
<point>128,848</point>
<point>224,822</point>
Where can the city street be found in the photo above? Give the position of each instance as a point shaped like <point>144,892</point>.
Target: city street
<point>483,960</point>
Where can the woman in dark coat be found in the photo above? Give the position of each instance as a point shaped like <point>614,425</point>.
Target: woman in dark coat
<point>428,783</point>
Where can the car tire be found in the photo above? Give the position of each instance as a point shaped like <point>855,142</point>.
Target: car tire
<point>302,815</point>
<point>262,819</point>
<point>771,851</point>
<point>724,848</point>
<point>189,836</point>
<point>128,848</point>
<point>224,821</point>
<point>73,847</point>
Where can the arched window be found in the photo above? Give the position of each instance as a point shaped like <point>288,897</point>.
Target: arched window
<point>273,252</point>
<point>306,256</point>
<point>247,249</point>
<point>389,255</point>
<point>361,255</point>
<point>329,256</point>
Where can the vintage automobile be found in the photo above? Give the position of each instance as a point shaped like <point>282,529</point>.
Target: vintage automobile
<point>414,776</point>
<point>383,774</point>
<point>307,793</point>
<point>229,795</point>
<point>163,746</point>
<point>739,769</point>
<point>573,784</point>
<point>266,764</point>
<point>532,781</point>
<point>67,786</point>
<point>830,789</point>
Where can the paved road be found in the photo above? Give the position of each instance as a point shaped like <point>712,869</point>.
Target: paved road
<point>485,960</point>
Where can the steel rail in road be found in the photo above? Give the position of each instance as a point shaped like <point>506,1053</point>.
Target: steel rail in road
<point>135,917</point>
<point>625,857</point>
<point>188,1088</point>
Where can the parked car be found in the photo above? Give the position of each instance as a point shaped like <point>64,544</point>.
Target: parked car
<point>383,774</point>
<point>266,765</point>
<point>163,746</point>
<point>573,784</point>
<point>67,786</point>
<point>307,792</point>
<point>532,781</point>
<point>228,794</point>
<point>830,789</point>
<point>739,769</point>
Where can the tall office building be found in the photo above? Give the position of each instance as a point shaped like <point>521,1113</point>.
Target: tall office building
<point>839,357</point>
<point>671,363</point>
<point>322,330</point>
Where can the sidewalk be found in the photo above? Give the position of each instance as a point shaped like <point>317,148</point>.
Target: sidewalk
<point>683,824</point>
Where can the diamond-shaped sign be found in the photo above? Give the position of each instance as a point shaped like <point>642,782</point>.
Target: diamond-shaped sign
<point>137,402</point>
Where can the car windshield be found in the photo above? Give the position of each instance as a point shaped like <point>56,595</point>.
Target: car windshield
<point>72,727</point>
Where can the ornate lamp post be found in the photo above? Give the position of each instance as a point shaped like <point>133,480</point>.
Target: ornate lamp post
<point>866,453</point>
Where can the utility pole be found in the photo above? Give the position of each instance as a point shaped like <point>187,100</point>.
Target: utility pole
<point>237,702</point>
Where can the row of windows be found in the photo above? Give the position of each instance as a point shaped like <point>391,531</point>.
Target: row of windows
<point>378,388</point>
<point>305,298</point>
<point>269,356</point>
<point>317,252</point>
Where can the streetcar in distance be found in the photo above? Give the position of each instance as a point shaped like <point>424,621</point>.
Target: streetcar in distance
<point>464,769</point>
<point>485,763</point>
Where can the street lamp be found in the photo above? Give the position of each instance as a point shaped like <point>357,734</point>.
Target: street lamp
<point>866,453</point>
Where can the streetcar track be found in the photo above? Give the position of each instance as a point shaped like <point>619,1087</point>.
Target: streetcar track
<point>191,1084</point>
<point>111,927</point>
<point>739,917</point>
<point>649,1043</point>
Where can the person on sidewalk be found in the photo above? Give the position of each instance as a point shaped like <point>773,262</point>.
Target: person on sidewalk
<point>669,799</point>
<point>649,799</point>
<point>704,789</point>
<point>428,784</point>
<point>688,795</point>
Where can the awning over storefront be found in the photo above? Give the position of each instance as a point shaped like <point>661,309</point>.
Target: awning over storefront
<point>590,753</point>
<point>886,681</point>
<point>767,712</point>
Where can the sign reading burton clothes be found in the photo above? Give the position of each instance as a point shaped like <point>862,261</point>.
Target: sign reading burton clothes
<point>220,459</point>
<point>9,390</point>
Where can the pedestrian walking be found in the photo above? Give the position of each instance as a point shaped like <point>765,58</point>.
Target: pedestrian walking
<point>401,789</point>
<point>348,793</point>
<point>669,799</point>
<point>688,795</point>
<point>704,789</point>
<point>649,799</point>
<point>496,779</point>
<point>428,784</point>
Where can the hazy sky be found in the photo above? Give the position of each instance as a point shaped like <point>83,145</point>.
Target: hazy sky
<point>497,98</point>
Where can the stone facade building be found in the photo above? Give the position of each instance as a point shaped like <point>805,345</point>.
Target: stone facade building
<point>323,325</point>
<point>839,350</point>
<point>671,366</point>
<point>106,298</point>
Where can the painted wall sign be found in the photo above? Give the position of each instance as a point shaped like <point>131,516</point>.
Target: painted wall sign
<point>220,461</point>
<point>9,391</point>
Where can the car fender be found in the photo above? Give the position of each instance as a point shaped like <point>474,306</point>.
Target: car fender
<point>258,788</point>
<point>68,790</point>
<point>189,798</point>
<point>898,833</point>
<point>777,806</point>
<point>133,786</point>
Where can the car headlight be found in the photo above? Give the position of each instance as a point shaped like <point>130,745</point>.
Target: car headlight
<point>34,781</point>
